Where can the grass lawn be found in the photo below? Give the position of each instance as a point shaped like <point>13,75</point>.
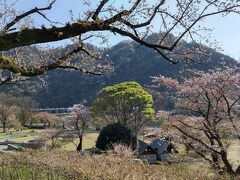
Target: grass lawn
<point>20,136</point>
<point>22,139</point>
<point>89,141</point>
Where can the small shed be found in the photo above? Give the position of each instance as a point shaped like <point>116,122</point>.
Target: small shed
<point>146,152</point>
<point>163,149</point>
<point>16,146</point>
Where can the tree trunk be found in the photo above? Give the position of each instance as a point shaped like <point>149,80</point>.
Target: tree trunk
<point>226,162</point>
<point>4,126</point>
<point>137,143</point>
<point>44,124</point>
<point>79,147</point>
<point>215,160</point>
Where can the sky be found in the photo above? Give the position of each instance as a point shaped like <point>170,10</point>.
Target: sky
<point>226,29</point>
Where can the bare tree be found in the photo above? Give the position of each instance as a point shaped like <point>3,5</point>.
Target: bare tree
<point>133,19</point>
<point>6,114</point>
<point>53,136</point>
<point>25,106</point>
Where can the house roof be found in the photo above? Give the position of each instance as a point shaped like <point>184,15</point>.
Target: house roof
<point>160,144</point>
<point>142,146</point>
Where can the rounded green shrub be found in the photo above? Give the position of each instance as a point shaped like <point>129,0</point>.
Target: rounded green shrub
<point>114,134</point>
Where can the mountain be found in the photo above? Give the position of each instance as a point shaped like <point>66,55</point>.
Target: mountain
<point>131,62</point>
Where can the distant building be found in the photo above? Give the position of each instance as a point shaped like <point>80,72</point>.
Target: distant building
<point>159,149</point>
<point>146,152</point>
<point>163,149</point>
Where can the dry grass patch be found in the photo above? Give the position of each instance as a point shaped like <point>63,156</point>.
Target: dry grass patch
<point>78,166</point>
<point>234,154</point>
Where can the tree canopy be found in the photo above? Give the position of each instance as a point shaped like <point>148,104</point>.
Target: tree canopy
<point>127,103</point>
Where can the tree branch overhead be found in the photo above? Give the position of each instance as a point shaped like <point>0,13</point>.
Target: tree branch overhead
<point>134,19</point>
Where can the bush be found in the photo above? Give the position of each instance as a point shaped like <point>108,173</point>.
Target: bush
<point>122,150</point>
<point>114,134</point>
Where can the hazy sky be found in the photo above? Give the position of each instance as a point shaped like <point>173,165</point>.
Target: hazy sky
<point>226,29</point>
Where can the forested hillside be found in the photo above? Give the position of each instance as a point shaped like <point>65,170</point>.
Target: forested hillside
<point>130,62</point>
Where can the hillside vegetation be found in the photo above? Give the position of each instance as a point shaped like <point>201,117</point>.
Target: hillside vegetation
<point>130,62</point>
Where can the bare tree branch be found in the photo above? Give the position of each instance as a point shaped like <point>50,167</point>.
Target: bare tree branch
<point>32,11</point>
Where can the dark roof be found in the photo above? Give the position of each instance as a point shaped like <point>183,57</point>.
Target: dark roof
<point>142,146</point>
<point>161,145</point>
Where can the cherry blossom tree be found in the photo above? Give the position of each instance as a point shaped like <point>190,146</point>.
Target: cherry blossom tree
<point>210,98</point>
<point>46,118</point>
<point>122,150</point>
<point>98,20</point>
<point>78,122</point>
<point>165,132</point>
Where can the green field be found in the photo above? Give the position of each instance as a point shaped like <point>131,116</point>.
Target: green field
<point>20,136</point>
<point>89,141</point>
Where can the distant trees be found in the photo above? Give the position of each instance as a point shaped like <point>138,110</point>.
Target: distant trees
<point>15,111</point>
<point>48,119</point>
<point>210,99</point>
<point>25,105</point>
<point>163,101</point>
<point>5,116</point>
<point>98,122</point>
<point>78,121</point>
